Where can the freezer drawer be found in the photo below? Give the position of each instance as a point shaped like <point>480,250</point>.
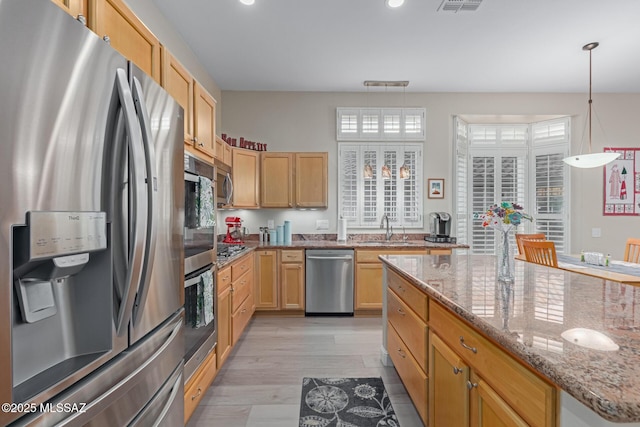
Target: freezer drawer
<point>329,282</point>
<point>141,383</point>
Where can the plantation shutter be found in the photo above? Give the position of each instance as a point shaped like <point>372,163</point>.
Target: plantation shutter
<point>380,124</point>
<point>461,184</point>
<point>365,198</point>
<point>483,195</point>
<point>550,146</point>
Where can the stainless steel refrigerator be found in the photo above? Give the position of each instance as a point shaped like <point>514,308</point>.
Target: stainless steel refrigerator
<point>91,230</point>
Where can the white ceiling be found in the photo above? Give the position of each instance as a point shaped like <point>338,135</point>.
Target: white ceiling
<point>335,45</point>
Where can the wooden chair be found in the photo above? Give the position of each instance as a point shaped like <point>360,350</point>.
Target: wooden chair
<point>632,250</point>
<point>540,252</point>
<point>520,237</point>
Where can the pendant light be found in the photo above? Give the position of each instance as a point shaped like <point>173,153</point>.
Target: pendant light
<point>405,171</point>
<point>368,171</point>
<point>591,160</point>
<point>386,172</point>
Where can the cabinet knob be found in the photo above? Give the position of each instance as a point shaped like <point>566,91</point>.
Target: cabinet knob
<point>402,353</point>
<point>471,385</point>
<point>82,19</point>
<point>402,313</point>
<point>106,39</point>
<point>456,370</point>
<point>472,349</point>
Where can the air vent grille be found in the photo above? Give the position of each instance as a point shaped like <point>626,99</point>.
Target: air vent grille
<point>458,5</point>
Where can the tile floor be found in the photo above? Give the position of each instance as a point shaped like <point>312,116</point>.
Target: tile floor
<point>260,384</point>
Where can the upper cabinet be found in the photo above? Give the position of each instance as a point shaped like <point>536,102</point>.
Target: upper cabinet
<point>276,180</point>
<point>73,7</point>
<point>245,178</point>
<point>223,150</point>
<point>311,180</point>
<point>293,180</point>
<point>204,113</point>
<point>127,34</point>
<point>179,83</point>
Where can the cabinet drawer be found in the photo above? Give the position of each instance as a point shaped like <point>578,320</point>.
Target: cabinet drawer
<point>241,289</point>
<point>197,386</point>
<point>411,329</point>
<point>291,256</point>
<point>411,295</point>
<point>241,318</point>
<point>241,266</point>
<point>531,397</point>
<point>367,256</point>
<point>224,279</point>
<point>414,379</point>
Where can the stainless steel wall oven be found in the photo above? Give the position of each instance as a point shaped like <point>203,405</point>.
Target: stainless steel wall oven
<point>200,330</point>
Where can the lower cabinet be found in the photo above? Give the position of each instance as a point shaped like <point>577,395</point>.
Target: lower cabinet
<point>368,277</point>
<point>475,383</point>
<point>224,315</point>
<point>198,384</point>
<point>280,281</point>
<point>242,306</point>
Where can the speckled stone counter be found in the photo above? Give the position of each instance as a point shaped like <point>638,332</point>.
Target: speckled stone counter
<point>528,317</point>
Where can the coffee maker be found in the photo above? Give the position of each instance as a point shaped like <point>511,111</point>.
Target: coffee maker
<point>440,228</point>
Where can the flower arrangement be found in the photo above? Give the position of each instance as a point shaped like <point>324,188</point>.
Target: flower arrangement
<point>503,216</point>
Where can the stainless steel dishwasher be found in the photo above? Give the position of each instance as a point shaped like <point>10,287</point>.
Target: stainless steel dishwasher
<point>329,282</point>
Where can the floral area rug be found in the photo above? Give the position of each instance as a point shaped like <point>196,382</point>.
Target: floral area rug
<point>346,402</point>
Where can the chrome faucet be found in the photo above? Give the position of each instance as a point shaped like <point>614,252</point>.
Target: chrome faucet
<point>389,231</point>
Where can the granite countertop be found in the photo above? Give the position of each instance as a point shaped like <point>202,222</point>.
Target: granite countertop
<point>357,244</point>
<point>528,317</point>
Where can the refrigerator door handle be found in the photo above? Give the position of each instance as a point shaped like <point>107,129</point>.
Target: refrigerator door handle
<point>152,189</point>
<point>138,209</point>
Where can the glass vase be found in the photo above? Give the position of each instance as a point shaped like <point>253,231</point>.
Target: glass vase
<point>505,268</point>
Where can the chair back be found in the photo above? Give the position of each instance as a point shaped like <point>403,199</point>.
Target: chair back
<point>632,250</point>
<point>520,237</point>
<point>540,252</point>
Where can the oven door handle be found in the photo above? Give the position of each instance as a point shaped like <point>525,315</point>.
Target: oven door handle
<point>191,282</point>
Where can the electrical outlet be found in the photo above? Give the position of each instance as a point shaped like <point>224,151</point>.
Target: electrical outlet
<point>322,224</point>
<point>271,224</point>
<point>596,232</point>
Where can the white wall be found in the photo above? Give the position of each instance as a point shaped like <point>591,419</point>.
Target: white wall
<point>305,121</point>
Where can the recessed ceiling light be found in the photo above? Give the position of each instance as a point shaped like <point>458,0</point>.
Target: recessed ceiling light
<point>248,2</point>
<point>394,3</point>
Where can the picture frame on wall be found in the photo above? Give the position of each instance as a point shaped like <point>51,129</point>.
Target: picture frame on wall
<point>435,188</point>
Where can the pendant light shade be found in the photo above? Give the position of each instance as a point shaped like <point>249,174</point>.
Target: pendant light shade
<point>386,172</point>
<point>591,160</point>
<point>368,171</point>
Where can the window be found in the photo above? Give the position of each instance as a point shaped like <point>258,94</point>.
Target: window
<point>378,124</point>
<point>370,184</point>
<point>516,163</point>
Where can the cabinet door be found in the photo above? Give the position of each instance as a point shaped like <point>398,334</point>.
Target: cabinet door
<point>276,180</point>
<point>224,325</point>
<point>179,84</point>
<point>127,34</point>
<point>368,290</point>
<point>488,409</point>
<point>448,394</point>
<point>245,178</point>
<point>292,284</point>
<point>227,157</point>
<point>221,151</point>
<point>73,7</point>
<point>204,113</point>
<point>311,180</point>
<point>266,286</point>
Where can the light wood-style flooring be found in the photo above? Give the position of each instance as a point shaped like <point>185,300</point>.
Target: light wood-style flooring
<point>260,385</point>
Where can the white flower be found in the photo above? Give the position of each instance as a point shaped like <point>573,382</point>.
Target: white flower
<point>365,391</point>
<point>327,399</point>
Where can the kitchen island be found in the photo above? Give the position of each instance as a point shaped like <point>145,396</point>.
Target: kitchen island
<point>526,322</point>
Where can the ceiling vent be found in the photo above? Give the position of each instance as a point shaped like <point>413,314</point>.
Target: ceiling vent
<point>459,5</point>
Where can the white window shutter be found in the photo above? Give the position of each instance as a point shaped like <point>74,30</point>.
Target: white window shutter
<point>348,183</point>
<point>461,185</point>
<point>550,196</point>
<point>347,124</point>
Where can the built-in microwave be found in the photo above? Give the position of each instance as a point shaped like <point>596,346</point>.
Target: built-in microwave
<point>224,183</point>
<point>199,213</point>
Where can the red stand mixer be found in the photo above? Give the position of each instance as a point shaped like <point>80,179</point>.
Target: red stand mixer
<point>234,230</point>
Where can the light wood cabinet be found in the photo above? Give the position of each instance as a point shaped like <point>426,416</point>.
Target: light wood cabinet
<point>242,306</point>
<point>223,151</point>
<point>368,277</point>
<point>292,279</point>
<point>525,399</point>
<point>195,389</point>
<point>127,34</point>
<point>245,178</point>
<point>311,180</point>
<point>224,325</point>
<point>293,180</point>
<point>276,180</point>
<point>266,287</point>
<point>204,125</point>
<point>73,7</point>
<point>178,82</point>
